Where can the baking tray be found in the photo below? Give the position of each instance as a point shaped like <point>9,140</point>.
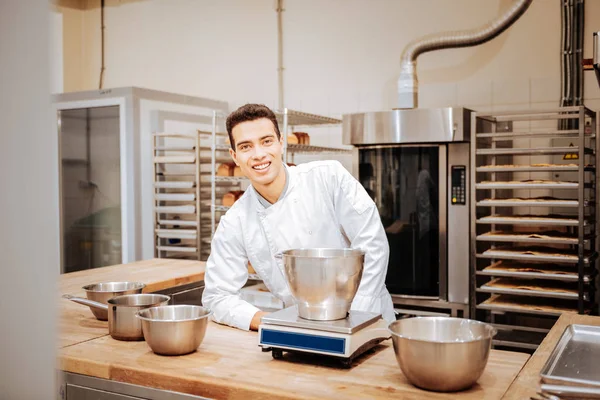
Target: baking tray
<point>528,292</point>
<point>526,185</point>
<point>571,392</point>
<point>174,184</point>
<point>175,159</point>
<point>538,150</point>
<point>544,257</point>
<point>528,203</point>
<point>508,303</point>
<point>523,238</point>
<point>575,359</point>
<point>175,196</point>
<point>532,275</point>
<point>520,220</point>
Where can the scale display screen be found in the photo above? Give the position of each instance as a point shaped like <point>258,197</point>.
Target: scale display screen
<point>302,341</point>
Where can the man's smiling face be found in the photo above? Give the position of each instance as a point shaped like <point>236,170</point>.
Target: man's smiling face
<point>258,151</point>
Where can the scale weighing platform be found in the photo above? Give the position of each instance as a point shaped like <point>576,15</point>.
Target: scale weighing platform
<point>344,339</point>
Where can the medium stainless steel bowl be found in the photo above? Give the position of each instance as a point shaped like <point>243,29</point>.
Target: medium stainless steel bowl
<point>441,353</point>
<point>102,292</point>
<point>323,281</point>
<point>123,324</point>
<point>174,330</point>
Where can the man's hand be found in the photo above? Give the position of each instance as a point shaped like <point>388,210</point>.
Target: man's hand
<point>256,320</point>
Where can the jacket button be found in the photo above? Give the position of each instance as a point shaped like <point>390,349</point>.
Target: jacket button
<point>310,232</point>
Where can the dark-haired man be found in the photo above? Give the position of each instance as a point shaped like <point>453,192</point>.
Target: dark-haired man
<point>317,204</point>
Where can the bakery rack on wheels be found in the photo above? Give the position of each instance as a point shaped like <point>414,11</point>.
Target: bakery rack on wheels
<point>176,159</point>
<point>534,245</point>
<point>288,120</point>
<point>182,194</point>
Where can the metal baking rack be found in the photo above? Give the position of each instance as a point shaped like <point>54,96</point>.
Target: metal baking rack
<point>287,119</point>
<point>533,220</point>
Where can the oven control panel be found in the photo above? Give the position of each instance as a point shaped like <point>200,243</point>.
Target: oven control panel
<point>458,183</point>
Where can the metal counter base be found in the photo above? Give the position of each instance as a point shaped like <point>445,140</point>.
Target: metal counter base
<point>81,387</point>
<point>429,307</point>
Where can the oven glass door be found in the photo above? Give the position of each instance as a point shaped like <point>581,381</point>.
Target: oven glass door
<point>404,182</point>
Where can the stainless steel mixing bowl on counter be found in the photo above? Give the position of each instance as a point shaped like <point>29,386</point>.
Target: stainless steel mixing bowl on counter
<point>123,323</point>
<point>174,330</point>
<point>102,292</point>
<point>323,281</point>
<point>441,353</point>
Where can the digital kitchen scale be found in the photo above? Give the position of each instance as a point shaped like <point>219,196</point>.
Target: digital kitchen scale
<point>344,339</point>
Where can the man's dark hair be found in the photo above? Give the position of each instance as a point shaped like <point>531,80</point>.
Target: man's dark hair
<point>250,112</point>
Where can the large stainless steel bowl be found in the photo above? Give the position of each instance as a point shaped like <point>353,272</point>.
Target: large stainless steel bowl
<point>102,292</point>
<point>323,281</point>
<point>174,330</point>
<point>440,353</point>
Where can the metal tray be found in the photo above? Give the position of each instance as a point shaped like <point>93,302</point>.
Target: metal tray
<point>517,308</point>
<point>529,203</point>
<point>575,359</point>
<point>507,255</point>
<point>516,238</point>
<point>532,275</point>
<point>571,392</point>
<point>539,150</point>
<point>529,292</point>
<point>529,221</point>
<point>525,185</point>
<point>528,168</point>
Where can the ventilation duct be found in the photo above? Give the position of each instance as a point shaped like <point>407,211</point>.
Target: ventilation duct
<point>408,84</point>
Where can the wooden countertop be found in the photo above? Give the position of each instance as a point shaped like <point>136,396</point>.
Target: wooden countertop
<point>77,323</point>
<point>528,381</point>
<point>230,365</point>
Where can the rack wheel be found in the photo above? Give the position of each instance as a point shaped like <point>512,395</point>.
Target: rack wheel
<point>277,354</point>
<point>346,363</point>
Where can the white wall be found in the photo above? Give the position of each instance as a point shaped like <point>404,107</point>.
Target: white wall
<point>340,55</point>
<point>29,245</point>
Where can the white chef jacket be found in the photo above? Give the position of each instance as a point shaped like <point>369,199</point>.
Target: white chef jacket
<point>323,207</point>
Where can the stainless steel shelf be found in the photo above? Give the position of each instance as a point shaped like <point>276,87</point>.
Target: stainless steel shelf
<point>532,275</point>
<point>174,184</point>
<point>174,222</point>
<point>231,179</point>
<point>526,185</point>
<point>298,118</point>
<point>519,237</point>
<point>538,150</point>
<point>570,133</point>
<point>302,148</point>
<point>498,254</point>
<point>305,148</point>
<point>178,249</point>
<point>528,203</point>
<point>533,168</point>
<point>174,135</point>
<point>526,306</point>
<point>186,159</point>
<point>187,149</point>
<point>538,221</point>
<point>528,292</point>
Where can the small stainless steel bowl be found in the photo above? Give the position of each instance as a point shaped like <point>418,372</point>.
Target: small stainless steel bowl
<point>123,323</point>
<point>102,292</point>
<point>440,353</point>
<point>174,330</point>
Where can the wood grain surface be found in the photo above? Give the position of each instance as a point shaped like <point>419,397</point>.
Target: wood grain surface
<point>76,322</point>
<point>230,365</point>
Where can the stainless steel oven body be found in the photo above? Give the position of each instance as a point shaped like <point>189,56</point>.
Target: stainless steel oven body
<point>415,165</point>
